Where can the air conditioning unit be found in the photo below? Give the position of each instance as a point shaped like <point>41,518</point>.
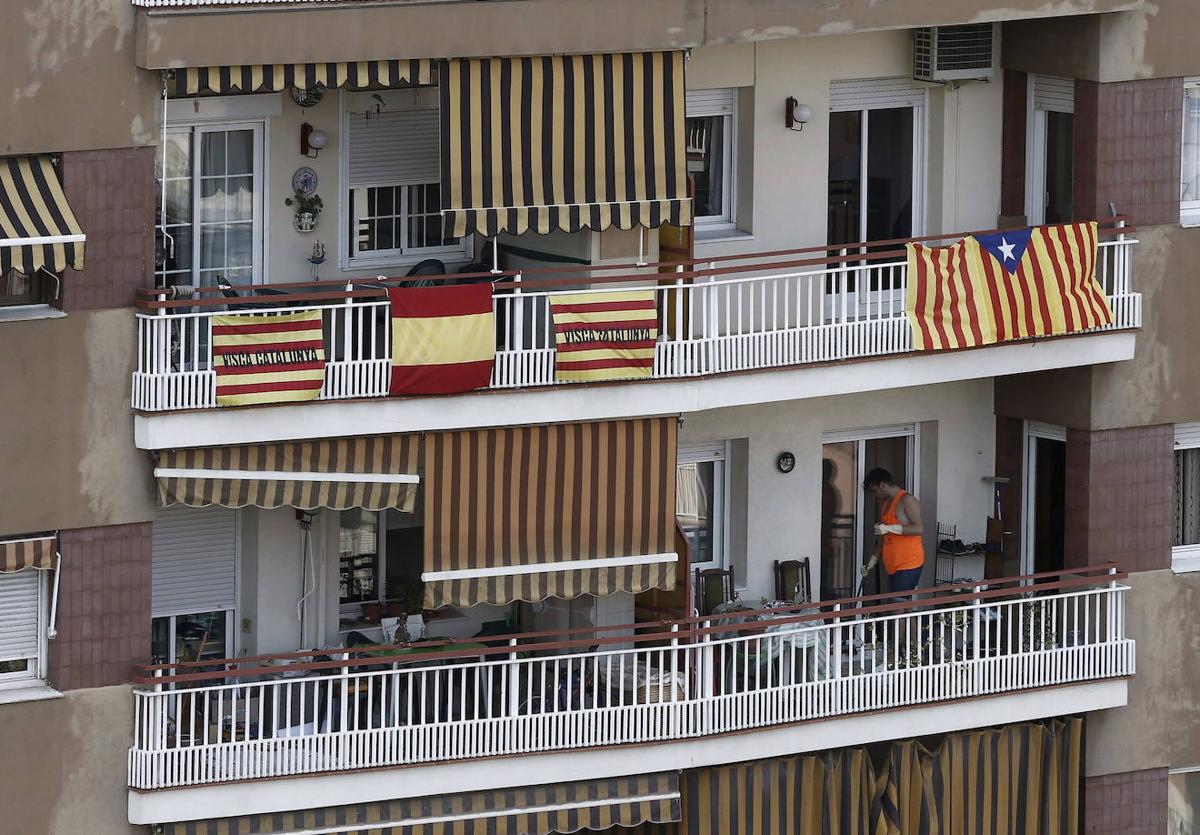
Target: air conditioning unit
<point>953,53</point>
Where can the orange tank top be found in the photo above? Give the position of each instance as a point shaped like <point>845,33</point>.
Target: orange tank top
<point>900,551</point>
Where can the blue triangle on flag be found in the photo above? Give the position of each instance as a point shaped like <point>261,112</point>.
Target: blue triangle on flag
<point>1007,247</point>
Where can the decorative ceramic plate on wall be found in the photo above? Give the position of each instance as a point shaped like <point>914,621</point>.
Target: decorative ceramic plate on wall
<point>304,180</point>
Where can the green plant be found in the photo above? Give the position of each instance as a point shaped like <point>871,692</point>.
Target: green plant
<point>1038,631</point>
<point>409,593</point>
<point>305,203</point>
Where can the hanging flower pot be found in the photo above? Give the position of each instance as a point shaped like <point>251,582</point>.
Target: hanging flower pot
<point>307,210</point>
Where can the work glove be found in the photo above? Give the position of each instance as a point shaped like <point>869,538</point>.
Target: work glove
<point>881,529</point>
<point>870,564</point>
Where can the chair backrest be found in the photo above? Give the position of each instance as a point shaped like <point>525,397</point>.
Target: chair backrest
<point>792,582</point>
<point>714,586</point>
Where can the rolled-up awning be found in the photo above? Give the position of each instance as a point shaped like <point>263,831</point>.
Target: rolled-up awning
<point>37,227</point>
<point>532,810</point>
<point>273,78</point>
<point>371,472</point>
<point>531,512</point>
<point>32,552</point>
<point>563,142</point>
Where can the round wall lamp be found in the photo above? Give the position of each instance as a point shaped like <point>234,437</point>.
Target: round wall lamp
<point>795,113</point>
<point>312,140</point>
<point>786,462</point>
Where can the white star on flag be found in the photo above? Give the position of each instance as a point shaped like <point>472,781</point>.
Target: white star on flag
<point>1007,249</point>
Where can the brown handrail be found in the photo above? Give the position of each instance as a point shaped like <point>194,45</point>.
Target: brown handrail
<point>149,298</point>
<point>670,629</point>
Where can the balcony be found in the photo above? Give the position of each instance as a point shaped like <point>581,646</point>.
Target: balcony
<point>668,683</point>
<point>792,309</point>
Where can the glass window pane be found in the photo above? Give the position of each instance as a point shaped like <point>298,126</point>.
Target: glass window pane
<point>179,201</point>
<point>212,154</point>
<point>383,202</point>
<point>358,556</point>
<point>706,163</point>
<point>212,199</point>
<point>694,495</point>
<point>839,509</point>
<point>1191,145</point>
<point>239,245</point>
<point>160,638</point>
<point>1183,803</point>
<point>845,177</point>
<point>889,173</point>
<point>200,637</point>
<point>239,198</point>
<point>240,158</point>
<point>1187,497</point>
<point>178,150</point>
<point>1060,157</point>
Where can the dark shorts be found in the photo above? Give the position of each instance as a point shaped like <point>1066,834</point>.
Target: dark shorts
<point>905,579</point>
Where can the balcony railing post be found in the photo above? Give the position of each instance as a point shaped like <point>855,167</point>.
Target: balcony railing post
<point>707,682</point>
<point>976,642</point>
<point>517,333</point>
<point>512,675</point>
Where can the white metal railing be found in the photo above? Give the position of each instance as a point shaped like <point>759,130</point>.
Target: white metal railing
<point>688,679</point>
<point>753,316</point>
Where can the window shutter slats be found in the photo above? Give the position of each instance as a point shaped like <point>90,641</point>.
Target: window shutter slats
<point>194,565</point>
<point>18,615</point>
<point>394,148</point>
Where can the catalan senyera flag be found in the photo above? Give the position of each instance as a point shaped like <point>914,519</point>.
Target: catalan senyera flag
<point>268,358</point>
<point>1008,285</point>
<point>443,339</point>
<point>604,336</point>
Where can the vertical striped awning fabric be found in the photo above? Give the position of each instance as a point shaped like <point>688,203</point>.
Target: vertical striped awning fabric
<point>563,142</point>
<point>274,78</point>
<point>532,512</point>
<point>32,205</point>
<point>532,810</point>
<point>371,472</point>
<point>31,552</point>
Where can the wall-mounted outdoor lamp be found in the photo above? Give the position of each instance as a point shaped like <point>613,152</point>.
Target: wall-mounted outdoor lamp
<point>795,114</point>
<point>786,462</point>
<point>312,140</point>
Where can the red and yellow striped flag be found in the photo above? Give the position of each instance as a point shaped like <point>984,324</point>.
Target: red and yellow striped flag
<point>1008,285</point>
<point>268,358</point>
<point>604,336</point>
<point>443,339</point>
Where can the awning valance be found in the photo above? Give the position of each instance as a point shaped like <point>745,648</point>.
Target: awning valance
<point>531,512</point>
<point>369,472</point>
<point>273,78</point>
<point>32,552</point>
<point>563,142</point>
<point>532,810</point>
<point>37,227</point>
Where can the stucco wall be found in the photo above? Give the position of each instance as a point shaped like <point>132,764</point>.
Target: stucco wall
<point>62,764</point>
<point>66,429</point>
<point>70,80</point>
<point>784,511</point>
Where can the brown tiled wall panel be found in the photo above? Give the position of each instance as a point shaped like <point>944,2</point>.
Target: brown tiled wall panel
<point>103,606</point>
<point>1120,501</point>
<point>112,195</point>
<point>1013,135</point>
<point>1132,803</point>
<point>1127,148</point>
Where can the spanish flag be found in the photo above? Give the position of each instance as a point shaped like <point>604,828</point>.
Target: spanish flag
<point>604,336</point>
<point>268,357</point>
<point>1008,285</point>
<point>443,339</point>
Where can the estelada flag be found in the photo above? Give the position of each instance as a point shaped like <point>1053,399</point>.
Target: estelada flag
<point>604,336</point>
<point>1007,285</point>
<point>268,357</point>
<point>443,339</point>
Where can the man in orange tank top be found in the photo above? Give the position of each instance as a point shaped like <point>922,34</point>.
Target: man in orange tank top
<point>901,529</point>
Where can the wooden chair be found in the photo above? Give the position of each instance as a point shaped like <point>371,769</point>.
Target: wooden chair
<point>792,581</point>
<point>714,586</point>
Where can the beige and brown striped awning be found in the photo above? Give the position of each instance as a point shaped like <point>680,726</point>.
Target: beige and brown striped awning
<point>273,78</point>
<point>532,810</point>
<point>31,552</point>
<point>38,230</point>
<point>371,472</point>
<point>532,512</point>
<point>563,142</point>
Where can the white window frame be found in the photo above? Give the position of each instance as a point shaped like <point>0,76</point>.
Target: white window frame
<point>36,669</point>
<point>1184,558</point>
<point>400,258</point>
<point>716,452</point>
<point>1189,210</point>
<point>1031,431</point>
<point>704,104</point>
<point>1040,100</point>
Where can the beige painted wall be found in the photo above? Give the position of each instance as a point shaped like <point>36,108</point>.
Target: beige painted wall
<point>66,429</point>
<point>62,764</point>
<point>784,511</point>
<point>1161,725</point>
<point>70,80</point>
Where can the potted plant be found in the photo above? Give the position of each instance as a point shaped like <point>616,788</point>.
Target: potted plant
<point>307,210</point>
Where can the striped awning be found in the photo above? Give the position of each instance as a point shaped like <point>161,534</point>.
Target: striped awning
<point>532,810</point>
<point>37,227</point>
<point>563,142</point>
<point>370,472</point>
<point>532,512</point>
<point>31,552</point>
<point>273,78</point>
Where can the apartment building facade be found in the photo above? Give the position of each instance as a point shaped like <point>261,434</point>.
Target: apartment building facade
<point>199,573</point>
